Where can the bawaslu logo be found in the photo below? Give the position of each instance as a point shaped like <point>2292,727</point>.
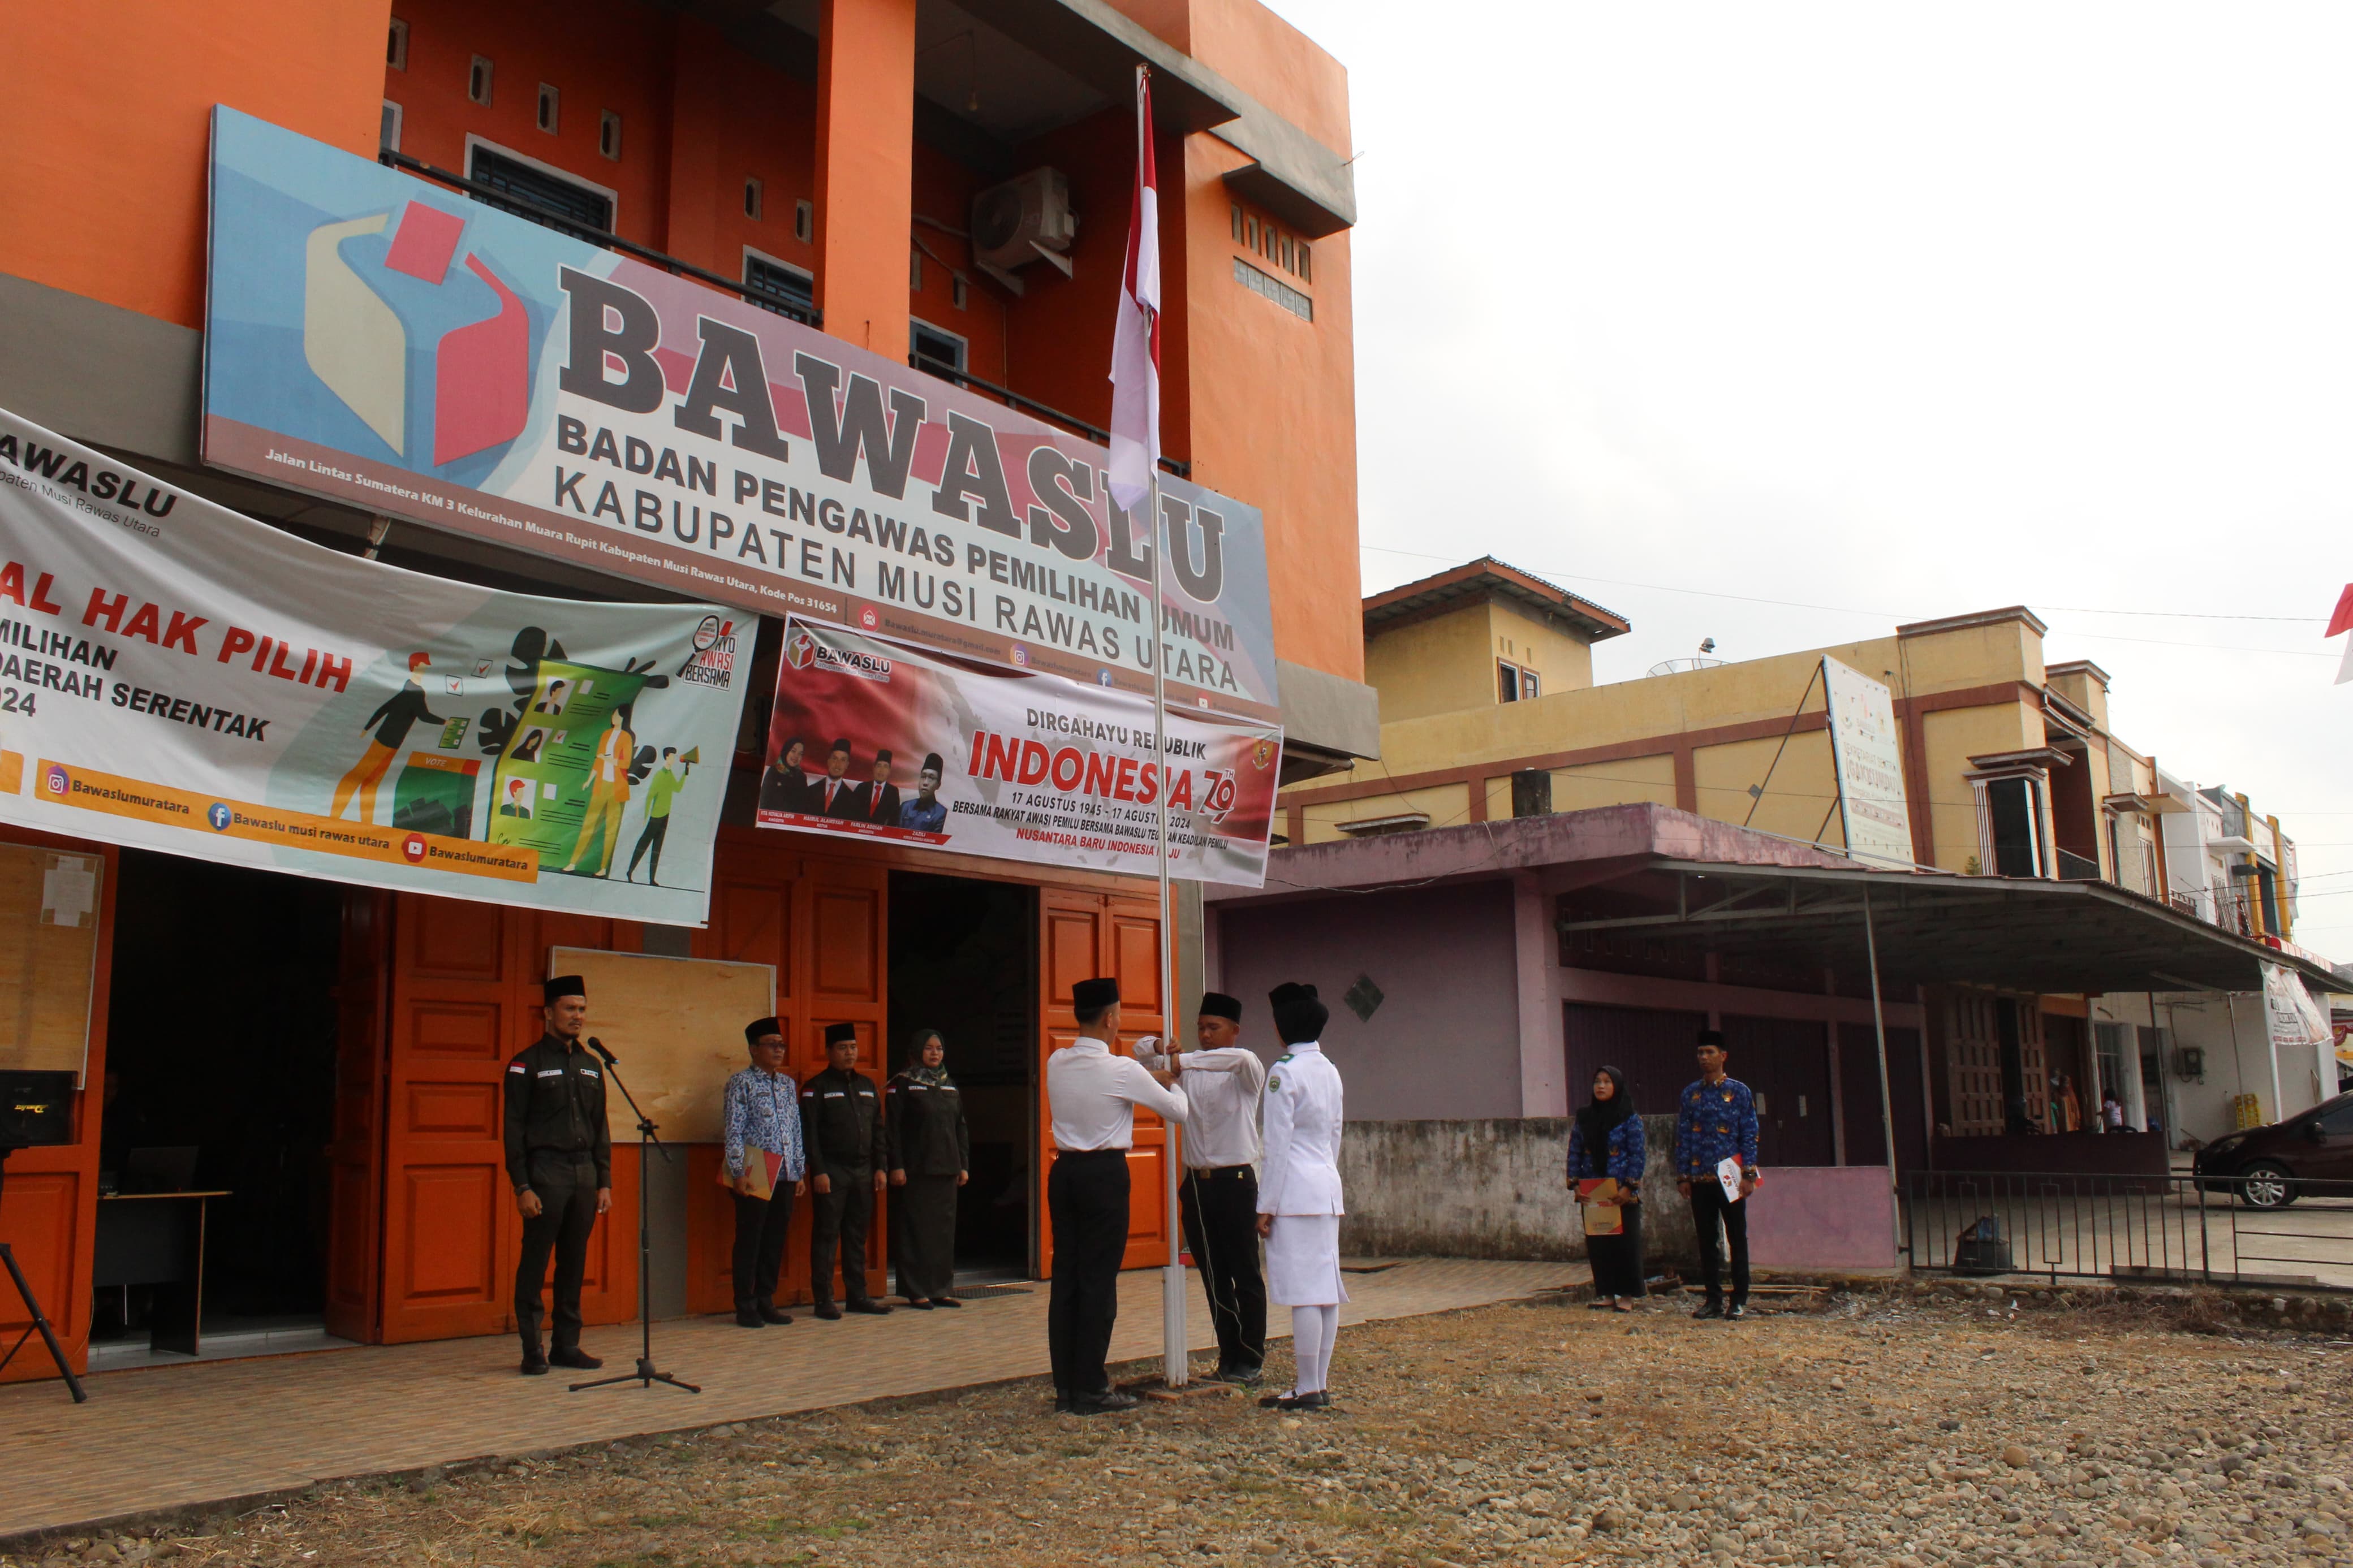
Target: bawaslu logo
<point>804,650</point>
<point>420,335</point>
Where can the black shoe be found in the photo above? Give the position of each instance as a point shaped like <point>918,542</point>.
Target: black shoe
<point>1315,1401</point>
<point>1239,1377</point>
<point>1270,1401</point>
<point>826,1310</point>
<point>1064,1404</point>
<point>573,1356</point>
<point>1712,1310</point>
<point>749,1317</point>
<point>769,1313</point>
<point>1736,1312</point>
<point>945,1301</point>
<point>534,1363</point>
<point>870,1309</point>
<point>918,1304</point>
<point>1110,1400</point>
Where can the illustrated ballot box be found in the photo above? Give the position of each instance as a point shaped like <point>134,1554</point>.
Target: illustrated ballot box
<point>436,794</point>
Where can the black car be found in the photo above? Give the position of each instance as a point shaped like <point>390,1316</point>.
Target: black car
<point>2270,1167</point>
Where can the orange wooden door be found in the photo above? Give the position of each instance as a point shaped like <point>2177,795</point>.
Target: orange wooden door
<point>354,1190</point>
<point>846,919</point>
<point>465,997</point>
<point>1083,935</point>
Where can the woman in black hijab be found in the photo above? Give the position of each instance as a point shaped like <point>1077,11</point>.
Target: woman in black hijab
<point>1606,1141</point>
<point>931,1157</point>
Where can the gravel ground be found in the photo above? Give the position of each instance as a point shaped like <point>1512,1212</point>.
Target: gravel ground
<point>1864,1430</point>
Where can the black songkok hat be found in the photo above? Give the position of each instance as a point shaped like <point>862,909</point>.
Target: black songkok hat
<point>843,744</point>
<point>1712,1037</point>
<point>563,985</point>
<point>1299,1016</point>
<point>883,755</point>
<point>837,1033</point>
<point>1092,996</point>
<point>932,763</point>
<point>1218,1004</point>
<point>760,1029</point>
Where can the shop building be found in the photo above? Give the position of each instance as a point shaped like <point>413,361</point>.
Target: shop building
<point>940,184</point>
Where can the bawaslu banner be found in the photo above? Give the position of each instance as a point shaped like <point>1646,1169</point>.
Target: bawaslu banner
<point>389,343</point>
<point>177,677</point>
<point>878,740</point>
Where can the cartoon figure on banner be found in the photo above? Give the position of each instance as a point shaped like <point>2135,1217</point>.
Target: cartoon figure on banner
<point>609,778</point>
<point>667,780</point>
<point>518,800</point>
<point>391,723</point>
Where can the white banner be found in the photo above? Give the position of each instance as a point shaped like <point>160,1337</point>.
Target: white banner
<point>1870,766</point>
<point>178,676</point>
<point>2295,1019</point>
<point>873,740</point>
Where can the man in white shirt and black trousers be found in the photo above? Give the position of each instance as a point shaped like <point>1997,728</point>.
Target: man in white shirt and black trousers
<point>1091,1094</point>
<point>1223,1079</point>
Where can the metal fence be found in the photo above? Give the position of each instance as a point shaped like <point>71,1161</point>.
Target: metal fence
<point>2178,1229</point>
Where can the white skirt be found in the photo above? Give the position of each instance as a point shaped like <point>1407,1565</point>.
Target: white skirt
<point>1303,1261</point>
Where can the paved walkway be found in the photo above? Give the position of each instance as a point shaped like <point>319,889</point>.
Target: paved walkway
<point>211,1432</point>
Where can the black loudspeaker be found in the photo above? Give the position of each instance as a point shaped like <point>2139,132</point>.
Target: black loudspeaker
<point>36,1109</point>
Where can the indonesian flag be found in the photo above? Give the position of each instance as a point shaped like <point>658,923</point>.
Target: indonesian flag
<point>2341,620</point>
<point>1136,342</point>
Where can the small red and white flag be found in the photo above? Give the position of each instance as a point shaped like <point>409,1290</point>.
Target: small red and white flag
<point>2342,621</point>
<point>1136,342</point>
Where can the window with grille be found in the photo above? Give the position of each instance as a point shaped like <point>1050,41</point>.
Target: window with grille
<point>940,352</point>
<point>787,291</point>
<point>1274,289</point>
<point>535,193</point>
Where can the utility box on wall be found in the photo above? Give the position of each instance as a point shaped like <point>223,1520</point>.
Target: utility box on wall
<point>1532,793</point>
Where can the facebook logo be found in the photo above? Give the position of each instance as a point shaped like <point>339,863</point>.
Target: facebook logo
<point>217,815</point>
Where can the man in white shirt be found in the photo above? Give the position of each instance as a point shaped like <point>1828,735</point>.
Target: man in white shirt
<point>1091,1094</point>
<point>1299,1202</point>
<point>1223,1079</point>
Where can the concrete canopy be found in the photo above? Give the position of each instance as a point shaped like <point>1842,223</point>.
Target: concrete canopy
<point>1655,872</point>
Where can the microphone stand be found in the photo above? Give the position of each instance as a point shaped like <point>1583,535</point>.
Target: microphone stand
<point>646,1376</point>
<point>40,1324</point>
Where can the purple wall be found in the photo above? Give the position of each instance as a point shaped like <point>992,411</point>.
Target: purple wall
<point>1816,1217</point>
<point>2085,1154</point>
<point>1445,1043</point>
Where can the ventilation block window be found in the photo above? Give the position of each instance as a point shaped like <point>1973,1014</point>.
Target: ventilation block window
<point>752,200</point>
<point>547,109</point>
<point>805,221</point>
<point>395,45</point>
<point>387,136</point>
<point>959,293</point>
<point>478,82</point>
<point>1307,273</point>
<point>608,135</point>
<point>1237,221</point>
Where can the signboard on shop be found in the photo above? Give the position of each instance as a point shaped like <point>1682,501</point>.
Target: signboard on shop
<point>178,676</point>
<point>873,740</point>
<point>1869,766</point>
<point>385,343</point>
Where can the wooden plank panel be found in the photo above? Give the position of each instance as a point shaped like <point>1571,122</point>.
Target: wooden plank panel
<point>355,1151</point>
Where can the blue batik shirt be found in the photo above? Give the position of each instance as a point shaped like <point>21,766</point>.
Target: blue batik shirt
<point>1715,1121</point>
<point>932,818</point>
<point>1622,1157</point>
<point>764,1111</point>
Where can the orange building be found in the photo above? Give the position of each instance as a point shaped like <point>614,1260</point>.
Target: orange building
<point>334,1053</point>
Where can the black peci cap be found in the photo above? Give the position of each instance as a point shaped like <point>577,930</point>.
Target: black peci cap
<point>1712,1037</point>
<point>1092,996</point>
<point>1218,1004</point>
<point>842,745</point>
<point>932,763</point>
<point>563,985</point>
<point>835,1034</point>
<point>759,1029</point>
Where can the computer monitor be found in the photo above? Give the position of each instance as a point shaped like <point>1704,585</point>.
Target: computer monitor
<point>159,1170</point>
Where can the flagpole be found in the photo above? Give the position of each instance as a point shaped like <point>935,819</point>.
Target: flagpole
<point>1175,1364</point>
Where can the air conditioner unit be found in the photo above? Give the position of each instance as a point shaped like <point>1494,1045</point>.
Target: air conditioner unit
<point>1023,220</point>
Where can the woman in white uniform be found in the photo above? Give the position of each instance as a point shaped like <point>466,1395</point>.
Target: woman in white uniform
<point>1299,1204</point>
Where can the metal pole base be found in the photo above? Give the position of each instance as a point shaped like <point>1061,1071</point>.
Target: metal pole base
<point>644,1376</point>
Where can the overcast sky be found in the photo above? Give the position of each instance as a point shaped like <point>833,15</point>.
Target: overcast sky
<point>1781,324</point>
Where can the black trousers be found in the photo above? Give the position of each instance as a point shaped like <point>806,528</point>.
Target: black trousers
<point>566,1185</point>
<point>1710,1209</point>
<point>837,1223</point>
<point>761,1225</point>
<point>922,1237</point>
<point>1086,1195</point>
<point>656,829</point>
<point>1617,1260</point>
<point>1220,1213</point>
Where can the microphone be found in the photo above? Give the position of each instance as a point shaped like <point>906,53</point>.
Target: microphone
<point>597,1045</point>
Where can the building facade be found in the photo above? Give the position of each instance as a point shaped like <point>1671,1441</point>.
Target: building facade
<point>847,163</point>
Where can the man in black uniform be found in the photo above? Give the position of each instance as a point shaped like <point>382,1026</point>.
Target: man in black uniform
<point>560,1161</point>
<point>841,1123</point>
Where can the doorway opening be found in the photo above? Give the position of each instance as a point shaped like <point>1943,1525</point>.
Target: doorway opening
<point>964,961</point>
<point>220,1079</point>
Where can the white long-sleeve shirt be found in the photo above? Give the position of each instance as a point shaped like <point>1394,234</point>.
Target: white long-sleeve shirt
<point>1303,1121</point>
<point>1091,1096</point>
<point>1222,1089</point>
